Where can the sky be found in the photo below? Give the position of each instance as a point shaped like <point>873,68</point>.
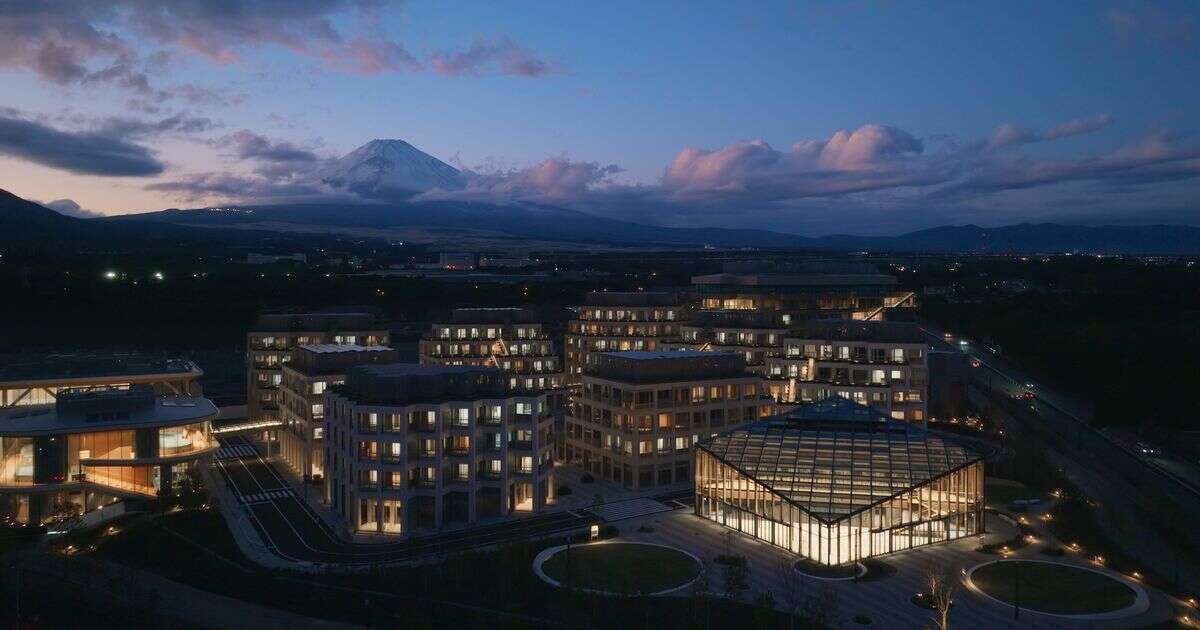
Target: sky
<point>805,117</point>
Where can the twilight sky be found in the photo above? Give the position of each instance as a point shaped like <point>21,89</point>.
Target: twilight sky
<point>809,117</point>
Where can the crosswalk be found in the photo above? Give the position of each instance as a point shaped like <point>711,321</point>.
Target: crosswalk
<point>236,451</point>
<point>269,495</point>
<point>631,508</point>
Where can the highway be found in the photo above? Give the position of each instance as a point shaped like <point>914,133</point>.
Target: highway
<point>294,532</point>
<point>1109,472</point>
<point>1069,417</point>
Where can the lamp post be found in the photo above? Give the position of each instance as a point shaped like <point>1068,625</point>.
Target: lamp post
<point>1016,589</point>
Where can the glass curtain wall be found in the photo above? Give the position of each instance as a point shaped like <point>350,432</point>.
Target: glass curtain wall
<point>945,508</point>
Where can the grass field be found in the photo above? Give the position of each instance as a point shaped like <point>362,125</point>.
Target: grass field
<point>1004,491</point>
<point>623,568</point>
<point>1054,588</point>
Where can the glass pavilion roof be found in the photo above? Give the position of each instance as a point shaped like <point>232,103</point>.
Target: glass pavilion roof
<point>835,457</point>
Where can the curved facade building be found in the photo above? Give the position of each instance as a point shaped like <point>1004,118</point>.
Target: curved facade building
<point>92,448</point>
<point>836,481</point>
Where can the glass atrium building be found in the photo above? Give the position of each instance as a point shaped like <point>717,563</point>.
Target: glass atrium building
<point>836,482</point>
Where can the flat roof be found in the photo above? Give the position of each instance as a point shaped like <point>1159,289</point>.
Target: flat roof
<point>47,419</point>
<point>67,368</point>
<point>654,355</point>
<point>858,330</point>
<point>793,279</point>
<point>335,348</point>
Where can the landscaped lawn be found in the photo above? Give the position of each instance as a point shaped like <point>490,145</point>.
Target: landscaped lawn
<point>1054,588</point>
<point>623,568</point>
<point>1004,491</point>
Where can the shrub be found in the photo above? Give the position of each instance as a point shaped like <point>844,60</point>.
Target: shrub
<point>564,491</point>
<point>586,478</point>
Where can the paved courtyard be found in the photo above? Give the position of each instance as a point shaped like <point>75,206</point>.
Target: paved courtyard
<point>886,601</point>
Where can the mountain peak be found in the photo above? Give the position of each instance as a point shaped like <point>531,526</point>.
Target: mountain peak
<point>390,169</point>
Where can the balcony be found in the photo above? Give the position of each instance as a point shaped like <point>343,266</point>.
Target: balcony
<point>458,452</point>
<point>423,427</point>
<point>520,445</point>
<point>487,475</point>
<point>422,484</point>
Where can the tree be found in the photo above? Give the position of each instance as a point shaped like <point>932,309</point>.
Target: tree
<point>941,584</point>
<point>793,589</point>
<point>64,517</point>
<point>701,590</point>
<point>735,576</point>
<point>822,608</point>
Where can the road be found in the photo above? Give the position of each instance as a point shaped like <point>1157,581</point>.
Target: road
<point>294,532</point>
<point>1071,417</point>
<point>1106,470</point>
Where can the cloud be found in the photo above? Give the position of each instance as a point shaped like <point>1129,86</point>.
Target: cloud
<point>1145,24</point>
<point>555,179</point>
<point>1008,134</point>
<point>88,153</point>
<point>228,186</point>
<point>68,42</point>
<point>276,160</point>
<point>71,209</point>
<point>502,56</point>
<point>137,128</point>
<point>872,179</point>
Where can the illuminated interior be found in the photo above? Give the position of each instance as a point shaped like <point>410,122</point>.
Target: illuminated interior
<point>837,491</point>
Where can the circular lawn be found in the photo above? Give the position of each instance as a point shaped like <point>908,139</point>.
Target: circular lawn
<point>622,568</point>
<point>1053,588</point>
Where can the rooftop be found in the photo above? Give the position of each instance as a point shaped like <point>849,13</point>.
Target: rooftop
<point>333,319</point>
<point>836,458</point>
<point>341,348</point>
<point>105,411</point>
<point>856,330</point>
<point>412,383</point>
<point>795,280</point>
<point>631,298</point>
<point>329,358</point>
<point>665,366</point>
<point>89,367</point>
<point>509,315</point>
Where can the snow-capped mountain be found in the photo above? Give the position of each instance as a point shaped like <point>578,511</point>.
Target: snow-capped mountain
<point>391,169</point>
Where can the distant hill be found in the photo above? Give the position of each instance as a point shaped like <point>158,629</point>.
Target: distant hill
<point>31,225</point>
<point>563,225</point>
<point>1029,238</point>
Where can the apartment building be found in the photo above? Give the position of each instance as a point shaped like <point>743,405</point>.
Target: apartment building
<point>880,364</point>
<point>754,335</point>
<point>275,335</point>
<point>85,434</point>
<point>804,291</point>
<point>615,322</point>
<point>510,339</point>
<point>420,448</point>
<point>312,370</point>
<point>638,413</point>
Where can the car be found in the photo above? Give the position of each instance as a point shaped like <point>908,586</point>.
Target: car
<point>1146,450</point>
<point>975,363</point>
<point>1030,386</point>
<point>947,336</point>
<point>1027,395</point>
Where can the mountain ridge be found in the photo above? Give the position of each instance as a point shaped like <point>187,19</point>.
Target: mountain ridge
<point>25,222</point>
